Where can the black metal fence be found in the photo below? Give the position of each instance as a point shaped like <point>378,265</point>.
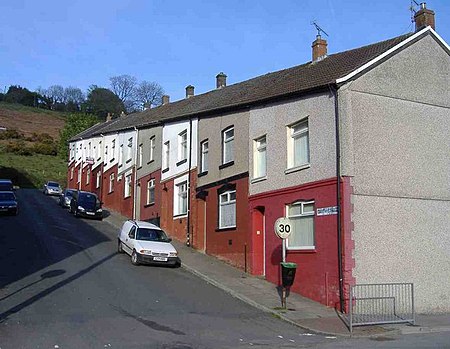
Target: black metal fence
<point>373,304</point>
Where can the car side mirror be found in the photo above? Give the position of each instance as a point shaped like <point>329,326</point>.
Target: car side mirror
<point>130,235</point>
<point>169,239</point>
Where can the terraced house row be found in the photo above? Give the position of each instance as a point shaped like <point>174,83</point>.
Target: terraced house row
<point>353,147</point>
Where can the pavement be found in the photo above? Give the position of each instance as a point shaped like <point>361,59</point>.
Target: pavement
<point>300,311</point>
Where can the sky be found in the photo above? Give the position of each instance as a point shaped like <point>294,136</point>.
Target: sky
<point>178,43</point>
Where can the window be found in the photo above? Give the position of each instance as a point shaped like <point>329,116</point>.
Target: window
<point>140,156</point>
<point>127,188</point>
<point>166,155</point>
<point>99,176</point>
<point>88,176</point>
<point>99,149</point>
<point>79,176</point>
<point>121,155</point>
<point>204,156</point>
<point>150,192</point>
<point>228,145</point>
<point>302,218</point>
<point>113,149</point>
<point>106,154</point>
<point>259,157</point>
<point>182,145</point>
<point>71,173</point>
<point>89,150</point>
<point>129,148</point>
<point>152,149</point>
<point>227,209</point>
<point>298,145</point>
<point>111,182</point>
<point>181,199</point>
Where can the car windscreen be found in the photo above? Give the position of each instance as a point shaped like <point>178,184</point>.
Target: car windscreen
<point>6,186</point>
<point>53,184</point>
<point>7,197</point>
<point>88,201</point>
<point>69,193</point>
<point>148,234</point>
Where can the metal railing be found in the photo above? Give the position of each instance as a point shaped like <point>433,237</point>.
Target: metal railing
<point>374,304</point>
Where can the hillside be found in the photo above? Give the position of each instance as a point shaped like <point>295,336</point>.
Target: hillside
<point>29,120</point>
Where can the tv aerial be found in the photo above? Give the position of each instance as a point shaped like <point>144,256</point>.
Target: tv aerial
<point>412,8</point>
<point>319,29</point>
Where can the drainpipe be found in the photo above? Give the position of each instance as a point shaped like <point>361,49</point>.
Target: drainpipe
<point>188,232</point>
<point>81,166</point>
<point>135,173</point>
<point>338,199</point>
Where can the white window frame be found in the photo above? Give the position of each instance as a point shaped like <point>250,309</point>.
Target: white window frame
<point>111,182</point>
<point>228,201</point>
<point>121,155</point>
<point>204,150</point>
<point>166,155</point>
<point>127,188</point>
<point>228,145</point>
<point>106,154</point>
<point>140,155</point>
<point>259,154</point>
<point>99,175</point>
<point>150,192</point>
<point>152,149</point>
<point>129,148</point>
<point>302,214</point>
<point>99,149</point>
<point>113,149</point>
<point>181,196</point>
<point>182,145</point>
<point>71,172</point>
<point>88,176</point>
<point>293,136</point>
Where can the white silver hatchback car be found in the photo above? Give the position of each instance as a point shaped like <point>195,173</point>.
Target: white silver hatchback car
<point>147,244</point>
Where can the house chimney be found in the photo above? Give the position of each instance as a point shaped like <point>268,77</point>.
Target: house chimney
<point>189,91</point>
<point>319,49</point>
<point>424,17</point>
<point>221,80</point>
<point>108,117</point>
<point>165,99</point>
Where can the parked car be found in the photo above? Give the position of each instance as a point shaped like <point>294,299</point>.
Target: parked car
<point>52,188</point>
<point>86,204</point>
<point>147,244</point>
<point>8,203</point>
<point>66,197</point>
<point>6,185</point>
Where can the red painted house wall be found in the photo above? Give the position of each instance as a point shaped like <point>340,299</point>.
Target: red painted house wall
<point>94,189</point>
<point>317,270</point>
<point>231,245</point>
<point>72,182</point>
<point>151,211</point>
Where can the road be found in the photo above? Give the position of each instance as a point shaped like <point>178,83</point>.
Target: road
<point>62,285</point>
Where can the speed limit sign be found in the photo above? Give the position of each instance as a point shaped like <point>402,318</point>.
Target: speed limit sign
<point>283,227</point>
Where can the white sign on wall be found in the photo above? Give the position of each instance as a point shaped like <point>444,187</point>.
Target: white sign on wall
<point>326,211</point>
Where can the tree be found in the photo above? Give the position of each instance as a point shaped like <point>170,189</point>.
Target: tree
<point>21,95</point>
<point>56,94</point>
<point>75,124</point>
<point>124,87</point>
<point>148,94</point>
<point>101,101</point>
<point>74,98</point>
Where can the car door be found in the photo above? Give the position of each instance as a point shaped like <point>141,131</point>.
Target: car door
<point>130,239</point>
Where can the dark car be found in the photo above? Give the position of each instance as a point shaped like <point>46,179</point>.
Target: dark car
<point>86,204</point>
<point>8,203</point>
<point>6,185</point>
<point>66,197</point>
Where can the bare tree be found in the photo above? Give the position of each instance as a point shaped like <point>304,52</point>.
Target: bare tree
<point>148,94</point>
<point>123,86</point>
<point>56,94</point>
<point>74,95</point>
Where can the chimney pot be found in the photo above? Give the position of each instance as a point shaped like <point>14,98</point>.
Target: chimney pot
<point>221,80</point>
<point>165,99</point>
<point>424,17</point>
<point>108,117</point>
<point>319,48</point>
<point>189,91</point>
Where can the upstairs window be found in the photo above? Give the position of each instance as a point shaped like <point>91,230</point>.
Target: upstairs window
<point>182,145</point>
<point>228,145</point>
<point>121,155</point>
<point>113,149</point>
<point>106,154</point>
<point>298,145</point>
<point>140,155</point>
<point>166,158</point>
<point>259,157</point>
<point>204,148</point>
<point>152,149</point>
<point>227,209</point>
<point>129,149</point>
<point>301,215</point>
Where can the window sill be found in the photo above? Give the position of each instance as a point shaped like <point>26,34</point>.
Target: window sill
<point>111,160</point>
<point>149,162</point>
<point>150,204</point>
<point>297,168</point>
<point>99,159</point>
<point>129,160</point>
<point>181,162</point>
<point>258,179</point>
<point>165,170</point>
<point>127,197</point>
<point>300,250</point>
<point>120,165</point>
<point>201,174</point>
<point>139,167</point>
<point>181,215</point>
<point>226,229</point>
<point>228,164</point>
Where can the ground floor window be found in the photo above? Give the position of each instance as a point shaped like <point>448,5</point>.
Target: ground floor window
<point>181,203</point>
<point>150,191</point>
<point>111,182</point>
<point>127,188</point>
<point>227,209</point>
<point>301,215</point>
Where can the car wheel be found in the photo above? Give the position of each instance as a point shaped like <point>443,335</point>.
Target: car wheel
<point>134,258</point>
<point>119,247</point>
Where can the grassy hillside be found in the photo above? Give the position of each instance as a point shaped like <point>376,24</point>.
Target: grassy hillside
<point>33,170</point>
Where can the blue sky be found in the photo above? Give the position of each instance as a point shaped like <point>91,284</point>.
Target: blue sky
<point>177,43</point>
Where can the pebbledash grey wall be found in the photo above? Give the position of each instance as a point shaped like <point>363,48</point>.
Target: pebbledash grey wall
<point>211,129</point>
<point>144,136</point>
<point>273,121</point>
<point>395,132</point>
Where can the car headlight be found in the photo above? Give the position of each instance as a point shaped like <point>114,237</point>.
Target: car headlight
<point>80,208</point>
<point>145,252</point>
<point>99,210</point>
<point>173,254</point>
<point>12,206</point>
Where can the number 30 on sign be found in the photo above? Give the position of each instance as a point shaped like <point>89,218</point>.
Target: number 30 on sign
<point>283,227</point>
